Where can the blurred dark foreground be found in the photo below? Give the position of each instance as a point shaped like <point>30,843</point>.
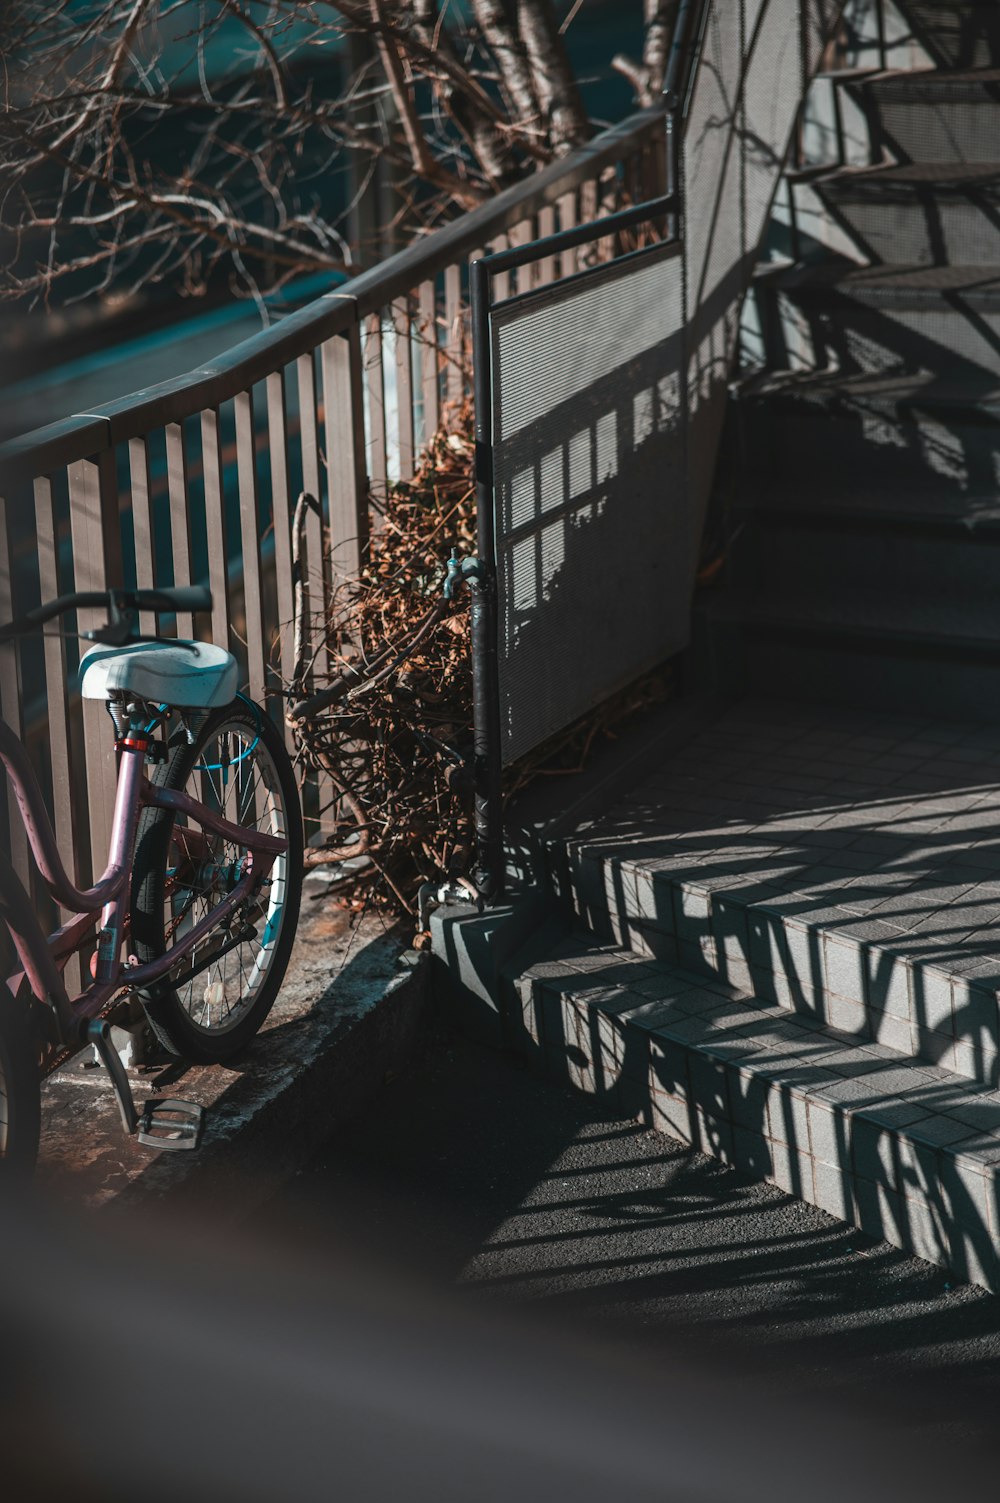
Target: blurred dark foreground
<point>162,1358</point>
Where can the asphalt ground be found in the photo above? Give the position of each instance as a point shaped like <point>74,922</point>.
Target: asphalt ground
<point>471,1175</point>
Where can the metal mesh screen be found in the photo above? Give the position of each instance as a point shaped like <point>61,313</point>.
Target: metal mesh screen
<point>591,537</point>
<point>608,392</point>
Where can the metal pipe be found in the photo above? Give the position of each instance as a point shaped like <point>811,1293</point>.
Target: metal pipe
<point>487,761</point>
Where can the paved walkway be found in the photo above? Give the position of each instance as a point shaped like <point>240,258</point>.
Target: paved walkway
<point>471,1172</point>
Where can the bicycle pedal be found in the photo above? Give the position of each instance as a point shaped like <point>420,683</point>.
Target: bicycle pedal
<point>171,1125</point>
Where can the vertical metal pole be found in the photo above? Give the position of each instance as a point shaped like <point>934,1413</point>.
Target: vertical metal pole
<point>880,23</point>
<point>489,874</point>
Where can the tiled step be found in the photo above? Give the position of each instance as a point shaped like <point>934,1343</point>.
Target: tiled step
<point>940,321</point>
<point>907,1152</point>
<point>844,866</point>
<point>934,116</point>
<point>946,514</point>
<point>900,431</point>
<point>929,584</point>
<point>955,33</point>
<point>922,214</point>
<point>874,652</point>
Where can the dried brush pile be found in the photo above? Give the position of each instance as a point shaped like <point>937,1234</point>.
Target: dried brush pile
<point>388,727</point>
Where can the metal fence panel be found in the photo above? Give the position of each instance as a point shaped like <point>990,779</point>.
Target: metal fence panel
<point>591,539</point>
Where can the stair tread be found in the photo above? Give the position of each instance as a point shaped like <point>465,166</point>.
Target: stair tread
<point>981,283</point>
<point>918,79</point>
<point>945,175</point>
<point>889,614</point>
<point>758,1037</point>
<point>971,513</point>
<point>920,388</point>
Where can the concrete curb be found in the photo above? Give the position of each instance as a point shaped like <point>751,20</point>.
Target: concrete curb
<point>350,1012</point>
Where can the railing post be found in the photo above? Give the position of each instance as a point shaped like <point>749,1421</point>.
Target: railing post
<point>343,414</point>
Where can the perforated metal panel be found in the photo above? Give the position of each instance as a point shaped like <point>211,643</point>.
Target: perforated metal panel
<point>591,529</point>
<point>608,390</point>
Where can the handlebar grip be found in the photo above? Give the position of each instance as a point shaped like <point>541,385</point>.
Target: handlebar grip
<point>181,598</point>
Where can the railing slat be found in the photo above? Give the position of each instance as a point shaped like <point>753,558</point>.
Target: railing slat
<point>429,367</point>
<point>454,381</point>
<point>314,569</point>
<point>309,438</point>
<point>568,260</point>
<point>523,234</point>
<point>10,700</point>
<point>375,388</point>
<point>142,526</point>
<point>215,524</point>
<point>546,266</point>
<point>180,517</point>
<point>246,469</point>
<point>94,529</point>
<point>345,449</point>
<point>501,282</point>
<point>404,387</point>
<point>277,428</point>
<point>55,668</point>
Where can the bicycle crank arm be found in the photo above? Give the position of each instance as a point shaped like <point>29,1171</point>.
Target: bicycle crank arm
<point>184,1120</point>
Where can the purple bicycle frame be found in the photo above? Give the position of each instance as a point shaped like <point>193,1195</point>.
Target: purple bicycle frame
<point>42,958</point>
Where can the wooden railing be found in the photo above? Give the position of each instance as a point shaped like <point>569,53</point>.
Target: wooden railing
<point>194,480</point>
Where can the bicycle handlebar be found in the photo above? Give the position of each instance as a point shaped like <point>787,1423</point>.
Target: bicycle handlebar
<point>160,602</point>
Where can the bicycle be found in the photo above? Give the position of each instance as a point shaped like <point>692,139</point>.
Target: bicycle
<point>198,905</point>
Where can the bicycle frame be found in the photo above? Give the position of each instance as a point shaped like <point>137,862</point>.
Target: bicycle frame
<point>43,958</point>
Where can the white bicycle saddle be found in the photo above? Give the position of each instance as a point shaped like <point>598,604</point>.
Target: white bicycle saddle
<point>191,675</point>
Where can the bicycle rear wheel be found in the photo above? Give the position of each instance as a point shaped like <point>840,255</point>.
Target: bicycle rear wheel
<point>239,768</point>
<point>20,1093</point>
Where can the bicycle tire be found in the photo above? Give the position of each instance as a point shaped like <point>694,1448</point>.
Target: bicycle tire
<point>171,1008</point>
<point>20,1090</point>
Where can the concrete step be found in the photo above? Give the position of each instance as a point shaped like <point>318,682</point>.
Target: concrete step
<point>955,33</point>
<point>945,514</point>
<point>951,580</point>
<point>844,866</point>
<point>918,214</point>
<point>877,650</point>
<point>933,115</point>
<point>906,1152</point>
<point>939,321</point>
<point>910,432</point>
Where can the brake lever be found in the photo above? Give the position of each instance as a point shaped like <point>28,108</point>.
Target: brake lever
<point>119,630</point>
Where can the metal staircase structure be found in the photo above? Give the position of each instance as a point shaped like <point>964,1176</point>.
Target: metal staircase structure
<point>866,521</point>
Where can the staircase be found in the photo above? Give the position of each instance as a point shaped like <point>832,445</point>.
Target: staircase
<point>781,942</point>
<point>864,557</point>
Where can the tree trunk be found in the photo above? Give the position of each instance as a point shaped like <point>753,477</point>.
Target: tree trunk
<point>558,95</point>
<point>507,47</point>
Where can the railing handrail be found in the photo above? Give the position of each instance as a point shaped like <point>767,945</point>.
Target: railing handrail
<point>236,370</point>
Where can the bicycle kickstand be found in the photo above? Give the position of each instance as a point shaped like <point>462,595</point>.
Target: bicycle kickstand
<point>168,1124</point>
